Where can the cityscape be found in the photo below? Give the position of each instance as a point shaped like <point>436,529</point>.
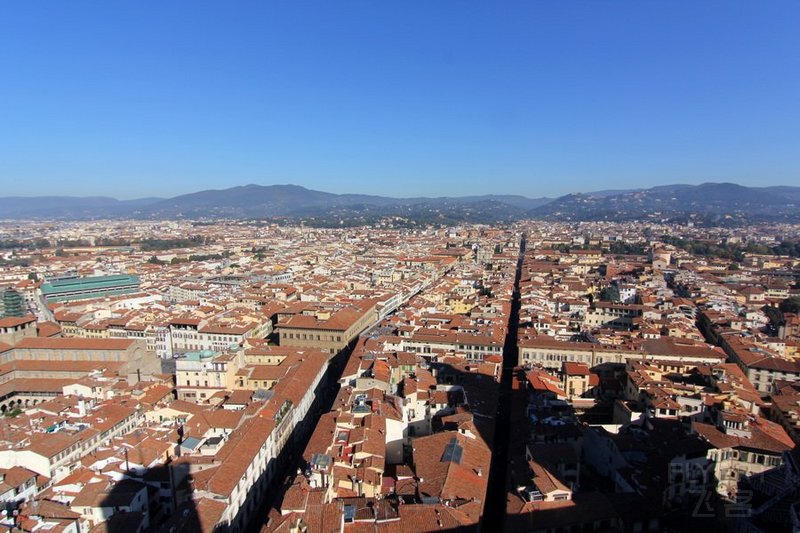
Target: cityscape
<point>383,267</point>
<point>237,375</point>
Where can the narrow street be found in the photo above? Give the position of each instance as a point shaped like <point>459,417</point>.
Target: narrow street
<point>495,509</point>
<point>292,455</point>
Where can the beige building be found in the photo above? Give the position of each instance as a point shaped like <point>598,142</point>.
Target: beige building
<point>200,375</point>
<point>328,334</point>
<point>551,353</point>
<point>136,362</point>
<point>576,379</point>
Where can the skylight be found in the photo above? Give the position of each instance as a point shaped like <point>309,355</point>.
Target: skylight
<point>453,452</point>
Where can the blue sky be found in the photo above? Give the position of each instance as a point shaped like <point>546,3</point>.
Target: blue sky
<point>409,98</point>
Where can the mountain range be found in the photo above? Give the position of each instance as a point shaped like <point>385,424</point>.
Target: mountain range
<point>706,202</point>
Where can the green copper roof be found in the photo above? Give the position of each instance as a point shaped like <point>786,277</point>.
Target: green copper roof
<point>199,356</point>
<point>91,287</point>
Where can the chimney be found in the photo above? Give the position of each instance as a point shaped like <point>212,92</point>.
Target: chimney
<point>480,471</point>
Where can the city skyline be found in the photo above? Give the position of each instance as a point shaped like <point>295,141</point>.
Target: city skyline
<point>418,100</point>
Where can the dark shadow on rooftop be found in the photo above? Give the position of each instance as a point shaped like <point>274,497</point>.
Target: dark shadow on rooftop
<point>152,499</point>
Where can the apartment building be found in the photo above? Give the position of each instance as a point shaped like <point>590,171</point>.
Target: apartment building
<point>551,353</point>
<point>244,467</point>
<point>762,367</point>
<point>202,374</point>
<point>56,452</point>
<point>329,334</point>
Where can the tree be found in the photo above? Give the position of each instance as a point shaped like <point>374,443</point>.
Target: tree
<point>791,305</point>
<point>610,294</point>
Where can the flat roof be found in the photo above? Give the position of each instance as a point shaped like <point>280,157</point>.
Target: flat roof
<point>197,356</point>
<point>92,282</point>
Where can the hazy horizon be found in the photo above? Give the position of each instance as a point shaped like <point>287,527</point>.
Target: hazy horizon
<point>346,192</point>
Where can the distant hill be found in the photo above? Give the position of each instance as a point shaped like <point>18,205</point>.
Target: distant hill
<point>705,203</point>
<point>68,207</point>
<point>261,201</point>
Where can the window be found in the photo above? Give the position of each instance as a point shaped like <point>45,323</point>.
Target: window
<point>744,456</point>
<point>452,452</point>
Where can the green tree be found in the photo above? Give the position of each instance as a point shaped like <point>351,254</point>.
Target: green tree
<point>791,305</point>
<point>610,294</point>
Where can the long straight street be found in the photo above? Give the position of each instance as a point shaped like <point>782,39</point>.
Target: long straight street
<point>495,509</point>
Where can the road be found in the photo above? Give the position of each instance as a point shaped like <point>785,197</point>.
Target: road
<point>494,512</point>
<point>293,456</point>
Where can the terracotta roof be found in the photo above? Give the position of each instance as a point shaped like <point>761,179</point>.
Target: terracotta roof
<point>576,369</point>
<point>765,436</point>
<point>51,343</point>
<point>48,329</point>
<point>13,321</point>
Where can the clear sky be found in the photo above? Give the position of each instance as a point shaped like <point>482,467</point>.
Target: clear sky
<point>400,98</point>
